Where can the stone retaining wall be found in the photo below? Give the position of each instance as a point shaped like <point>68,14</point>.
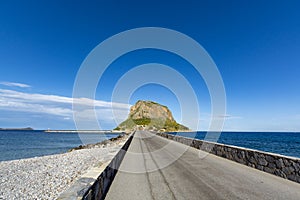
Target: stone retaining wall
<point>279,165</point>
<point>95,184</point>
<point>100,187</point>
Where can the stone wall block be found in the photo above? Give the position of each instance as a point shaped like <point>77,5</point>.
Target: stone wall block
<point>269,170</point>
<point>262,161</point>
<point>297,179</point>
<point>249,154</point>
<point>253,160</point>
<point>286,162</point>
<point>196,144</point>
<point>270,158</point>
<point>296,166</point>
<point>260,167</point>
<point>280,173</point>
<point>286,171</point>
<point>272,165</point>
<point>279,163</point>
<point>251,165</point>
<point>291,177</point>
<point>243,155</point>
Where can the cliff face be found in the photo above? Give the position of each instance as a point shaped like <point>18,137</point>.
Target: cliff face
<point>150,110</point>
<point>152,116</point>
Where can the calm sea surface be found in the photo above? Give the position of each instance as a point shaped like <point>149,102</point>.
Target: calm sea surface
<point>277,142</point>
<point>27,144</point>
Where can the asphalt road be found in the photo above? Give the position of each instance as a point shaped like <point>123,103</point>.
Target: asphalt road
<point>157,168</point>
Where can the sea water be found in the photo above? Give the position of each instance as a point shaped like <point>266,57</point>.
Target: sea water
<point>26,144</point>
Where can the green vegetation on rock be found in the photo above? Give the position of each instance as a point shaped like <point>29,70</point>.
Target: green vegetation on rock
<point>152,116</point>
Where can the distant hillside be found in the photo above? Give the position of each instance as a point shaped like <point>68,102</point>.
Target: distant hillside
<point>152,116</point>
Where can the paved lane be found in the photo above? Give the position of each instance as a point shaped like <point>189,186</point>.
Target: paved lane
<point>165,169</point>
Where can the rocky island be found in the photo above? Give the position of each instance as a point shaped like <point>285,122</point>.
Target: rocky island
<point>150,115</point>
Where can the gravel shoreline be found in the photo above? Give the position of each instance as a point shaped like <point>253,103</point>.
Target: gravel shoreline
<point>48,176</point>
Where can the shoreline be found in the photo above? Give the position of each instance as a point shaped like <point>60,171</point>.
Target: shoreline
<point>69,149</point>
<point>46,177</point>
<point>96,145</point>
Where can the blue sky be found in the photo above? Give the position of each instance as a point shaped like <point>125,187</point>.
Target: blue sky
<point>255,45</point>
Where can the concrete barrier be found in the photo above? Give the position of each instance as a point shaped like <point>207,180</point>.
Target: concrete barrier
<point>279,165</point>
<point>95,184</point>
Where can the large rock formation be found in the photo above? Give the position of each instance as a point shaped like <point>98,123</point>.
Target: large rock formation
<point>152,116</point>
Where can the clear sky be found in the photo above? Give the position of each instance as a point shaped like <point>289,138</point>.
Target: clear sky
<point>255,45</point>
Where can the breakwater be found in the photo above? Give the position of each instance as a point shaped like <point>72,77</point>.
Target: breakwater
<point>279,165</point>
<point>84,131</point>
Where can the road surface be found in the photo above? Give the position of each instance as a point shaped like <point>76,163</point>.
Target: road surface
<point>155,168</point>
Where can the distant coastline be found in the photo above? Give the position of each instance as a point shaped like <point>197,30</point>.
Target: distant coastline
<point>17,129</point>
